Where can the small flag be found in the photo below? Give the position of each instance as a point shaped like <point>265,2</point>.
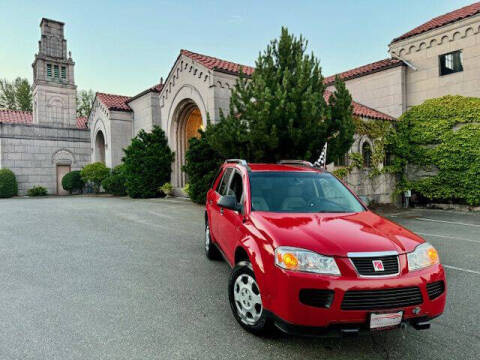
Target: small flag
<point>322,160</point>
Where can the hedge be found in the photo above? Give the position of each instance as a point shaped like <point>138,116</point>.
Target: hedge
<point>8,184</point>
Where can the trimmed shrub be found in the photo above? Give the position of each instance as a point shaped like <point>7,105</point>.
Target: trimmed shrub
<point>148,163</point>
<point>202,164</point>
<point>95,173</point>
<point>441,138</point>
<point>115,182</point>
<point>8,184</point>
<point>73,181</point>
<point>37,191</point>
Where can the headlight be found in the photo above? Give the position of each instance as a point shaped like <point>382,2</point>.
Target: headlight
<point>303,260</point>
<point>423,256</point>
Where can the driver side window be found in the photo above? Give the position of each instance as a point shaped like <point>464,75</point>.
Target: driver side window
<point>236,187</point>
<point>222,185</point>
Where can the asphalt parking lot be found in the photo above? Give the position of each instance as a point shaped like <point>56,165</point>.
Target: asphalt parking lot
<point>114,278</point>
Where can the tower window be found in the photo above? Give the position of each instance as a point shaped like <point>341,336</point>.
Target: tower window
<point>64,72</point>
<point>451,63</point>
<point>55,71</point>
<point>49,70</point>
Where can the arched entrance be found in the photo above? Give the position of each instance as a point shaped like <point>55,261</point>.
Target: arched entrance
<point>188,122</point>
<point>100,147</point>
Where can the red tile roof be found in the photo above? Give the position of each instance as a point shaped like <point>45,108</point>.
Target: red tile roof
<point>442,20</point>
<point>114,102</point>
<point>213,63</point>
<point>365,70</point>
<point>363,111</point>
<point>156,88</point>
<point>15,116</point>
<point>26,117</point>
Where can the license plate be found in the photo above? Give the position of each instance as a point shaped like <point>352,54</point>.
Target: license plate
<point>385,320</point>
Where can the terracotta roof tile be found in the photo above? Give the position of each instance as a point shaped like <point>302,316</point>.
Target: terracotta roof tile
<point>365,70</point>
<point>26,117</point>
<point>442,20</point>
<point>213,63</point>
<point>114,102</point>
<point>15,116</point>
<point>363,111</point>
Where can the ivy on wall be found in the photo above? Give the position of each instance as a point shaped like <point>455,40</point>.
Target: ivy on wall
<point>441,137</point>
<point>380,133</point>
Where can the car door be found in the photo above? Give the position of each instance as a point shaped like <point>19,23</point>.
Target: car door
<point>232,220</point>
<point>215,213</point>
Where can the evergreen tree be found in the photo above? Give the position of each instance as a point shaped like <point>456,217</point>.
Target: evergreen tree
<point>340,126</point>
<point>148,163</point>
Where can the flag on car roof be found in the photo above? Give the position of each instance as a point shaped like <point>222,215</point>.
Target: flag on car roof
<point>322,160</point>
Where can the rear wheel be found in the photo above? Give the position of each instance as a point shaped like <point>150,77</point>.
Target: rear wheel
<point>245,299</point>
<point>211,250</point>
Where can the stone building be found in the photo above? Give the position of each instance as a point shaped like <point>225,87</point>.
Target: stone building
<point>41,147</point>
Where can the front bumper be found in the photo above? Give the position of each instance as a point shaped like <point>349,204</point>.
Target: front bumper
<point>284,305</point>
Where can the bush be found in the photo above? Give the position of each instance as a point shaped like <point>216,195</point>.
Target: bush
<point>95,173</point>
<point>37,191</point>
<point>202,164</point>
<point>8,184</point>
<point>441,137</point>
<point>148,163</point>
<point>73,181</point>
<point>115,182</point>
<point>167,189</point>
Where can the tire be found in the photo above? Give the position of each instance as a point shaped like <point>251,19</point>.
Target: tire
<point>211,250</point>
<point>245,300</point>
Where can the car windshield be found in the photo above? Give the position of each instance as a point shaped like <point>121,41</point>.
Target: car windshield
<point>301,192</point>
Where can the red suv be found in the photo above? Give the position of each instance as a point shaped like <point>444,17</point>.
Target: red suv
<point>309,257</point>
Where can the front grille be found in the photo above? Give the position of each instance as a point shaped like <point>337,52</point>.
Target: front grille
<point>381,299</point>
<point>316,297</point>
<point>435,289</point>
<point>364,265</point>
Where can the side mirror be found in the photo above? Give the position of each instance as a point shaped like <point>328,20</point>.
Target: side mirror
<point>229,202</point>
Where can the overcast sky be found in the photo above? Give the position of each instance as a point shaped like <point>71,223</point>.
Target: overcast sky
<point>123,47</point>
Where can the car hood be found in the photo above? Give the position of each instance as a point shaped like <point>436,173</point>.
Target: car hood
<point>335,234</point>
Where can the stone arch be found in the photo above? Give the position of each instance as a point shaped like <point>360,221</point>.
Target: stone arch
<point>468,32</point>
<point>186,120</point>
<point>63,157</point>
<point>456,35</point>
<point>422,46</point>
<point>433,42</point>
<point>100,145</point>
<point>443,39</point>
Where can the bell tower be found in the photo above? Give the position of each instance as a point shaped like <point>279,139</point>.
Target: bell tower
<point>54,89</point>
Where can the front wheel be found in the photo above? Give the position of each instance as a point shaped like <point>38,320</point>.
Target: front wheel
<point>245,299</point>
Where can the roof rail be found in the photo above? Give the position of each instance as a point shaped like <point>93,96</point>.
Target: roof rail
<point>296,162</point>
<point>236,161</point>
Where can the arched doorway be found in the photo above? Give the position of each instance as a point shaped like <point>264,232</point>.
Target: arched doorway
<point>100,147</point>
<point>188,121</point>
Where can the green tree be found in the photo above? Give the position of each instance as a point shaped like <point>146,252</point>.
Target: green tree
<point>115,182</point>
<point>95,173</point>
<point>281,111</point>
<point>85,100</point>
<point>148,163</point>
<point>202,163</point>
<point>16,95</point>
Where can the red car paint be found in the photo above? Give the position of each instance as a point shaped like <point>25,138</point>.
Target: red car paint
<point>331,234</point>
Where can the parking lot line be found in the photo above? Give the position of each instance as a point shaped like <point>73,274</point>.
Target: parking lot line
<point>447,222</point>
<point>460,269</point>
<point>448,237</point>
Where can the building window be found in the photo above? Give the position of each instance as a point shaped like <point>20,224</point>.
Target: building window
<point>388,160</point>
<point>367,155</point>
<point>49,70</point>
<point>341,160</point>
<point>64,72</point>
<point>55,71</point>
<point>451,63</point>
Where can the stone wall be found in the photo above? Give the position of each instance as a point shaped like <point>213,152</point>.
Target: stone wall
<point>423,51</point>
<point>32,152</point>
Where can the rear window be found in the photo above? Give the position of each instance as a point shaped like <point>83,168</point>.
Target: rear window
<point>301,192</point>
